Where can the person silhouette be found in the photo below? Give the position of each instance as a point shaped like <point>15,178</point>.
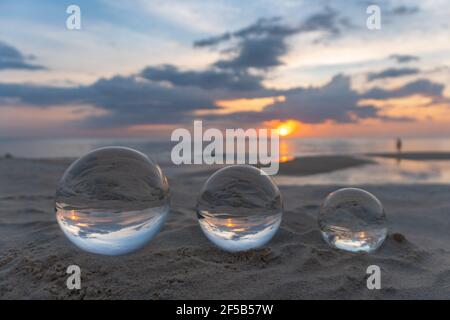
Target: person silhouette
<point>399,145</point>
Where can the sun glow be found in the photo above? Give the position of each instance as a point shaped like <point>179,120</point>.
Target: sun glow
<point>287,128</point>
<point>230,223</point>
<point>73,215</point>
<point>283,131</point>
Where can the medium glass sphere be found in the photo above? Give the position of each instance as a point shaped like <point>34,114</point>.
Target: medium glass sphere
<point>239,208</point>
<point>112,201</point>
<point>353,220</point>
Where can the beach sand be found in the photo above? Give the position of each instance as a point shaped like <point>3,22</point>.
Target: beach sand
<point>320,164</point>
<point>180,263</point>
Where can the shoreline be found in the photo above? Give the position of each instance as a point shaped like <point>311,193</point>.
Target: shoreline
<point>302,166</point>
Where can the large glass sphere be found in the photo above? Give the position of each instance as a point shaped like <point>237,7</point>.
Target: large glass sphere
<point>112,201</point>
<point>239,208</point>
<point>353,220</point>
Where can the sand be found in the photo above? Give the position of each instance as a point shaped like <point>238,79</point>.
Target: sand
<point>180,263</point>
<point>320,164</point>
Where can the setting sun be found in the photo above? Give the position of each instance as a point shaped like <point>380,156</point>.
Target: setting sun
<point>230,223</point>
<point>287,128</point>
<point>283,131</point>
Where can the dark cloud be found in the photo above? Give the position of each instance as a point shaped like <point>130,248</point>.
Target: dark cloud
<point>128,100</point>
<point>405,10</point>
<point>11,58</point>
<point>403,58</point>
<point>133,100</point>
<point>259,46</point>
<point>44,96</point>
<point>335,101</point>
<point>329,21</point>
<point>212,78</point>
<point>258,53</point>
<point>423,87</point>
<point>262,44</point>
<point>264,27</point>
<point>392,73</point>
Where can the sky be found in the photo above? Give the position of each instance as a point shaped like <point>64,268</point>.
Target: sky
<point>146,67</point>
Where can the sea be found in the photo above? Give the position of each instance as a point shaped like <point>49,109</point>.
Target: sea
<point>385,170</point>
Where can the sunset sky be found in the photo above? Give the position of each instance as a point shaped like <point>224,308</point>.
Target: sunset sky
<point>143,67</point>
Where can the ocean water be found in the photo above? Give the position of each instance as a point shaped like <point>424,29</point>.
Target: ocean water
<point>385,171</point>
<point>75,148</point>
<point>57,148</point>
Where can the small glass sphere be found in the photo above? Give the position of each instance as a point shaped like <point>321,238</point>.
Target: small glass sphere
<point>112,201</point>
<point>239,208</point>
<point>353,220</point>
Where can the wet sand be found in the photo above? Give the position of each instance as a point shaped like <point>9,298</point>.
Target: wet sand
<point>320,164</point>
<point>180,263</point>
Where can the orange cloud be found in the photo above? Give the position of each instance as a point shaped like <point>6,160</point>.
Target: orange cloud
<point>416,107</point>
<point>242,105</point>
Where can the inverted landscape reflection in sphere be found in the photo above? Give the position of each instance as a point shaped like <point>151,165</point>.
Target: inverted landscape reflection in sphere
<point>112,201</point>
<point>353,220</point>
<point>239,208</point>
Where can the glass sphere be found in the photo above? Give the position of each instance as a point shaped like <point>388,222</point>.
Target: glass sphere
<point>239,208</point>
<point>112,201</point>
<point>353,220</point>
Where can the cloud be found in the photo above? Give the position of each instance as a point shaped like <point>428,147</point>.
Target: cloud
<point>335,101</point>
<point>211,78</point>
<point>128,100</point>
<point>392,73</point>
<point>134,100</point>
<point>403,58</point>
<point>259,46</point>
<point>264,27</point>
<point>11,58</point>
<point>262,44</point>
<point>329,21</point>
<point>44,96</point>
<point>423,87</point>
<point>405,10</point>
<point>258,53</point>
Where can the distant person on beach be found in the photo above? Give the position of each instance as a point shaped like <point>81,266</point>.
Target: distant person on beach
<point>399,144</point>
